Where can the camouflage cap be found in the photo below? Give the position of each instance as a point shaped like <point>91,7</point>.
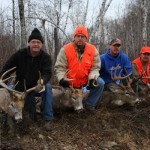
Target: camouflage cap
<point>115,41</point>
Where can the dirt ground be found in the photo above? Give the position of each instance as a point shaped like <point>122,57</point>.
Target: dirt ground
<point>122,128</point>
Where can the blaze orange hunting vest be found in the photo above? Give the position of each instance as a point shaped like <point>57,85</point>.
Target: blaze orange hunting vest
<point>140,69</point>
<point>79,69</point>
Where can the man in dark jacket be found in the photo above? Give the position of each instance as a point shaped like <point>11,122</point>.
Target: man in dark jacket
<point>28,62</point>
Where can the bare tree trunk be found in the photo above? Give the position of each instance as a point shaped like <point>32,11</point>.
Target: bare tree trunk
<point>98,19</point>
<point>56,41</point>
<point>14,31</point>
<point>29,22</point>
<point>99,26</point>
<point>70,4</point>
<point>144,21</point>
<point>101,21</point>
<point>45,37</point>
<point>22,23</point>
<point>132,37</point>
<point>85,14</point>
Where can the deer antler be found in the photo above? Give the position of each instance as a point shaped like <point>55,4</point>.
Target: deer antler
<point>148,85</point>
<point>18,97</point>
<point>137,77</point>
<point>39,87</point>
<point>119,77</point>
<point>129,81</point>
<point>114,77</point>
<point>65,76</point>
<point>95,84</point>
<point>11,77</point>
<point>4,85</point>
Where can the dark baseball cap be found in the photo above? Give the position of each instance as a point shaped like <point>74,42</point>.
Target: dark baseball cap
<point>115,41</point>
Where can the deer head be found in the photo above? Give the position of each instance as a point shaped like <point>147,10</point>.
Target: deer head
<point>68,97</point>
<point>125,87</point>
<point>125,90</point>
<point>17,97</point>
<point>77,97</point>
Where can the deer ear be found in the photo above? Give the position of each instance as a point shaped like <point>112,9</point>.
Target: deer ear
<point>14,98</point>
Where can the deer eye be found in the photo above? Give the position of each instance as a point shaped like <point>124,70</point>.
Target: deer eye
<point>73,98</point>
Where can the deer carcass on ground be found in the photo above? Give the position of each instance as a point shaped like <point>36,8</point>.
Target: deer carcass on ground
<point>120,94</point>
<point>69,97</point>
<point>65,98</point>
<point>142,89</point>
<point>12,101</point>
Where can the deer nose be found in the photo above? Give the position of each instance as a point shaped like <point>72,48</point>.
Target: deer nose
<point>79,110</point>
<point>18,121</point>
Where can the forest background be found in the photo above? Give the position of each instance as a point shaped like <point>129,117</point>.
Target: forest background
<point>57,19</point>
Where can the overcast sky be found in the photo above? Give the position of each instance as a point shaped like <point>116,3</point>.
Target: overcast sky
<point>116,7</point>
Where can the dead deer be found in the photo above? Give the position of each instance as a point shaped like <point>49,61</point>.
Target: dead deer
<point>69,97</point>
<point>12,101</point>
<point>120,94</point>
<point>141,88</point>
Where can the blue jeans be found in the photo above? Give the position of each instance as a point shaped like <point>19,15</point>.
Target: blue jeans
<point>47,103</point>
<point>95,93</point>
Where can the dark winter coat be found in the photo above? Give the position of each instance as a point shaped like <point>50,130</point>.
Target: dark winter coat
<point>27,67</point>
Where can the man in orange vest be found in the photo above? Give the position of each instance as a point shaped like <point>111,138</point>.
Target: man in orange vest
<point>82,62</point>
<point>141,65</point>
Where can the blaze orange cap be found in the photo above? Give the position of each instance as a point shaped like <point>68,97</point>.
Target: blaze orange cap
<point>81,30</point>
<point>145,49</point>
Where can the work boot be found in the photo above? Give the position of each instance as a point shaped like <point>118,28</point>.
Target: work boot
<point>48,125</point>
<point>90,109</point>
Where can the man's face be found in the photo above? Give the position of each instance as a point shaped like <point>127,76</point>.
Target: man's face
<point>114,49</point>
<point>145,57</point>
<point>35,46</point>
<point>80,40</point>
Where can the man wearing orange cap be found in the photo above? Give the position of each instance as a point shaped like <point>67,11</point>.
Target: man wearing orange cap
<point>141,65</point>
<point>82,62</point>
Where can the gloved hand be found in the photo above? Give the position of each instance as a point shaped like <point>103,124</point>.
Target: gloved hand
<point>64,83</point>
<point>92,84</point>
<point>40,84</point>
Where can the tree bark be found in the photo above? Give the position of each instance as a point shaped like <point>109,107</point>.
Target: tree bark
<point>22,23</point>
<point>85,14</point>
<point>70,4</point>
<point>144,22</point>
<point>99,26</point>
<point>14,31</point>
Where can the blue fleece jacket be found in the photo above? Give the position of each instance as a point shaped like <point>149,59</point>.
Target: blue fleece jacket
<point>108,61</point>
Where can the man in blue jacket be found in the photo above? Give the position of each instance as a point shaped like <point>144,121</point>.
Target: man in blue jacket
<point>114,57</point>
